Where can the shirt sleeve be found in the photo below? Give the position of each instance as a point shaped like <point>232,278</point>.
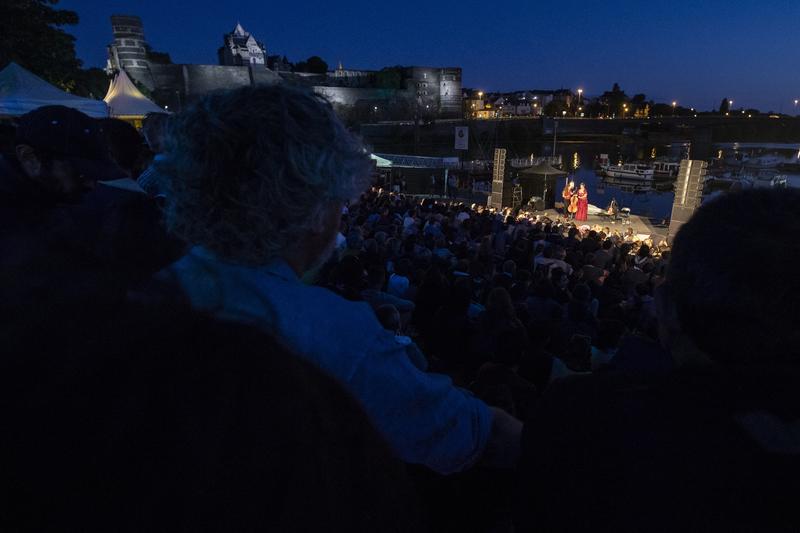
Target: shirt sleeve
<point>424,417</point>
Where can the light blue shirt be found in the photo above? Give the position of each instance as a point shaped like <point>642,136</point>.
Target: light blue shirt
<point>424,417</point>
<point>150,180</point>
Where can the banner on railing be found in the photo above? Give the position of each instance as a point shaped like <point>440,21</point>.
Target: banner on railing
<point>462,137</point>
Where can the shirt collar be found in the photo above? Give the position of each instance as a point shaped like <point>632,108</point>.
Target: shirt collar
<point>276,267</point>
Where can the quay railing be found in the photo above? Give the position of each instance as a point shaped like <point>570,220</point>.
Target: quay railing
<point>413,161</point>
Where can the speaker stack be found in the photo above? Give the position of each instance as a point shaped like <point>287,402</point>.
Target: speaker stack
<point>688,193</point>
<point>501,191</point>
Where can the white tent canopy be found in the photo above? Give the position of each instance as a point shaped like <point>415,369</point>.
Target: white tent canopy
<point>381,162</point>
<point>22,91</point>
<point>125,100</point>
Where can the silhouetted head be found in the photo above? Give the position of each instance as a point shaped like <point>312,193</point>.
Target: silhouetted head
<point>715,292</point>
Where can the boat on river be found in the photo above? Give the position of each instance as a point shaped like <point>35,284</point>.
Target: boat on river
<point>630,171</point>
<point>665,169</point>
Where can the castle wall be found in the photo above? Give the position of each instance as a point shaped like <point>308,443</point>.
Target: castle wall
<point>202,79</point>
<point>349,96</point>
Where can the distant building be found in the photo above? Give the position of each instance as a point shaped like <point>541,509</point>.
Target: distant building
<point>437,90</point>
<point>564,95</point>
<point>240,48</point>
<point>474,102</point>
<point>341,72</point>
<point>642,112</point>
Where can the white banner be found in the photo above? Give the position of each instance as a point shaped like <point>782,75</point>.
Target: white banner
<point>462,137</point>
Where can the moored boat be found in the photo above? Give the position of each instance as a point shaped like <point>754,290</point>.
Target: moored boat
<point>665,169</point>
<point>630,171</point>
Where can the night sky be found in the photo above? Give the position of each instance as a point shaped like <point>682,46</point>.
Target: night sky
<point>695,52</point>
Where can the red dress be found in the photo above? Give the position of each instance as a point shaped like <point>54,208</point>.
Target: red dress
<point>583,206</point>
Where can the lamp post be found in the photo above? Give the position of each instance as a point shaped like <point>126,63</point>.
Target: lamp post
<point>674,103</point>
<point>795,106</point>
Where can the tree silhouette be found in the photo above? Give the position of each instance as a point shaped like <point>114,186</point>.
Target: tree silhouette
<point>313,64</point>
<point>31,35</point>
<point>725,106</point>
<point>614,99</point>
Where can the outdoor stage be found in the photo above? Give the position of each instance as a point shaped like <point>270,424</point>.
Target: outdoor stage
<point>642,227</point>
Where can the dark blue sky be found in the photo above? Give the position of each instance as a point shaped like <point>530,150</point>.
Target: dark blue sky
<point>695,52</point>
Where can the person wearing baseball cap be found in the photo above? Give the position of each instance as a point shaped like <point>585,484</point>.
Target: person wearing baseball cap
<point>59,154</point>
<point>66,244</point>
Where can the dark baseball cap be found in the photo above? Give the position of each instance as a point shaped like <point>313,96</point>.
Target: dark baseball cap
<point>67,134</point>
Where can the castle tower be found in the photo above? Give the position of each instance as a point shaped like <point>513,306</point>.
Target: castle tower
<point>129,49</point>
<point>241,48</point>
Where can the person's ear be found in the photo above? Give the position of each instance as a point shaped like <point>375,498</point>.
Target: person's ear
<point>30,162</point>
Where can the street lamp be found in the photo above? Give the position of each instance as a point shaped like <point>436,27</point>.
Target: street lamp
<point>674,103</point>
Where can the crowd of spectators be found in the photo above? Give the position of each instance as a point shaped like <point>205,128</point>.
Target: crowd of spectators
<point>221,324</point>
<point>477,289</point>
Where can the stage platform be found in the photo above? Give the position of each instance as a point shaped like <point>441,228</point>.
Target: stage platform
<point>641,226</point>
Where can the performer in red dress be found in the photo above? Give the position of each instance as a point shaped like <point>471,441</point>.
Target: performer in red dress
<point>583,204</point>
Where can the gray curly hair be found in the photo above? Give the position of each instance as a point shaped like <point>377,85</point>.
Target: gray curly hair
<point>250,171</point>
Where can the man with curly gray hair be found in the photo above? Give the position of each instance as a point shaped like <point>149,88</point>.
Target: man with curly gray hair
<point>256,181</point>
